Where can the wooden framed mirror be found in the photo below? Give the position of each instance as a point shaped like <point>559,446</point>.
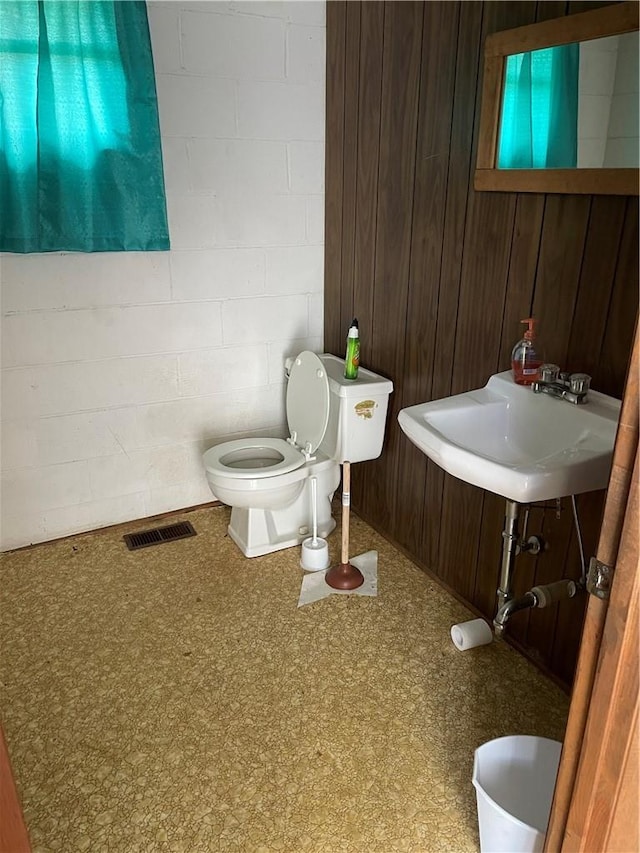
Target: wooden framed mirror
<point>598,164</point>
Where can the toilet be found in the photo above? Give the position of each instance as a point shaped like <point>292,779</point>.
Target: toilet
<point>267,481</point>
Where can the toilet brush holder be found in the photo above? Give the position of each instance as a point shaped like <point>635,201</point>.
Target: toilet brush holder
<point>314,556</point>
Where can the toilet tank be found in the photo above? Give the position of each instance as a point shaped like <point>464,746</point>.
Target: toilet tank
<point>357,413</point>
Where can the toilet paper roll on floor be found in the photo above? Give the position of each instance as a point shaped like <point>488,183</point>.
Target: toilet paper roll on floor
<point>469,635</point>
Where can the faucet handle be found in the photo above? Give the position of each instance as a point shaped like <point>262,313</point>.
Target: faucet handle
<point>579,383</point>
<point>548,372</point>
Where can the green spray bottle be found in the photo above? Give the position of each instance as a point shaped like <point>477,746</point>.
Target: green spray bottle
<point>352,359</point>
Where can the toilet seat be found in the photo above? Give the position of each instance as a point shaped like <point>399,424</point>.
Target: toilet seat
<point>253,458</point>
<point>259,458</point>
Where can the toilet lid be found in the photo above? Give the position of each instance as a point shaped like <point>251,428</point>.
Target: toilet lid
<point>308,401</point>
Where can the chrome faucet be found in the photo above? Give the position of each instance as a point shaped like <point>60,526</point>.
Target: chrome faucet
<point>572,387</point>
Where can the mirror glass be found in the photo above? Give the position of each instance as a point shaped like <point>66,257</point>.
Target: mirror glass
<point>571,106</point>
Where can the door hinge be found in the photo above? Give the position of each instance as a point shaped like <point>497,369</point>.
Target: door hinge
<point>599,578</point>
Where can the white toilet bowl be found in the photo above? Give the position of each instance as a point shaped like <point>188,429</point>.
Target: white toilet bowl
<point>266,481</point>
<point>266,472</point>
<point>271,511</point>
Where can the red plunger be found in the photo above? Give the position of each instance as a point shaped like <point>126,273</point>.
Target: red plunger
<point>344,575</point>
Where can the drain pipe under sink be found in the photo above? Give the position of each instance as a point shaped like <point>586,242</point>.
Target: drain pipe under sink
<point>538,596</point>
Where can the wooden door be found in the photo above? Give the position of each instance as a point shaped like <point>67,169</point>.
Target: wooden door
<point>603,815</point>
<point>595,807</point>
<point>13,832</point>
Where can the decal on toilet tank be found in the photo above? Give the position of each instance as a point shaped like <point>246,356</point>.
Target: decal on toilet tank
<point>365,409</point>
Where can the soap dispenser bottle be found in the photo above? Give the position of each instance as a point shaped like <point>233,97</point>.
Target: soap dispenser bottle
<point>525,357</point>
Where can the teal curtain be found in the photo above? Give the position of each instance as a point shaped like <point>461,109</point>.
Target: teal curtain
<point>539,123</point>
<point>80,156</point>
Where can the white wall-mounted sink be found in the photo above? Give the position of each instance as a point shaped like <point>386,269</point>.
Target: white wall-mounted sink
<point>524,446</point>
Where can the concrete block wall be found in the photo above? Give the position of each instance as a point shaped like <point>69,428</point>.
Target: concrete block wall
<point>119,369</point>
<point>622,138</point>
<point>608,103</point>
<point>597,71</point>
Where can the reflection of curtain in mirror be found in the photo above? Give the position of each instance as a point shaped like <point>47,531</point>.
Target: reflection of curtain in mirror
<point>539,126</point>
<point>80,158</point>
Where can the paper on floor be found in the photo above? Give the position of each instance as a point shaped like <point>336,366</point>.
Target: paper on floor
<point>314,586</point>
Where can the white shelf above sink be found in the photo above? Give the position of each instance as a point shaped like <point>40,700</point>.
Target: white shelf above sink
<point>524,446</point>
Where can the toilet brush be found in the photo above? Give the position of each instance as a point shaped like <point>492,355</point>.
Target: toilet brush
<point>344,575</point>
<point>314,556</point>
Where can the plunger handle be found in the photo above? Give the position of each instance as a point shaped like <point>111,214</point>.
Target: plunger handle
<point>346,503</point>
<point>345,576</point>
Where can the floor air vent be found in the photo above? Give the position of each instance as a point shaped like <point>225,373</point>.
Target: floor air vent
<point>158,535</point>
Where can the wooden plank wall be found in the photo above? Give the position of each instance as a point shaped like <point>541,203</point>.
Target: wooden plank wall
<point>439,276</point>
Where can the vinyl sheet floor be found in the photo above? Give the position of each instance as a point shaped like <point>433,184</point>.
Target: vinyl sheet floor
<point>176,699</point>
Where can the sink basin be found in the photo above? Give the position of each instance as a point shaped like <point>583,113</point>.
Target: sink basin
<point>524,446</point>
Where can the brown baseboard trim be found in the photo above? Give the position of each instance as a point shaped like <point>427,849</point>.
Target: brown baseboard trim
<point>121,525</point>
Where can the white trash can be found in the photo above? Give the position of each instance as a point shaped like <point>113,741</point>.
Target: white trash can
<point>514,778</point>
